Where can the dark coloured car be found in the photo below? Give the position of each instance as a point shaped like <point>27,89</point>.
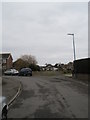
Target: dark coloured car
<point>25,72</point>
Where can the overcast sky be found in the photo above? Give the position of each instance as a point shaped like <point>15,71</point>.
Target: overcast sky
<point>40,29</point>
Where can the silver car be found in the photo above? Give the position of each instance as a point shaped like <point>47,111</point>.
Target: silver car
<point>11,72</point>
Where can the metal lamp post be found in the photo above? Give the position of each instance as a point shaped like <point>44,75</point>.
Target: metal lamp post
<point>74,54</point>
<point>73,46</point>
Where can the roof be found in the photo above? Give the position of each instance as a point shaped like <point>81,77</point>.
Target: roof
<point>49,65</point>
<point>5,55</point>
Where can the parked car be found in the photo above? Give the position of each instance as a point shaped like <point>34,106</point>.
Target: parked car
<point>25,72</point>
<point>11,72</point>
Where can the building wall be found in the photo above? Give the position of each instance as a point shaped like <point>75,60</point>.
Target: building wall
<point>83,77</point>
<point>9,63</point>
<point>82,66</point>
<point>82,69</point>
<point>4,64</point>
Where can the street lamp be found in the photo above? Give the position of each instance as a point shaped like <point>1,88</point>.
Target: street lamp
<point>74,55</point>
<point>73,45</point>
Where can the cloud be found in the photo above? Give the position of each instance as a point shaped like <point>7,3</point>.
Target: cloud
<point>41,30</point>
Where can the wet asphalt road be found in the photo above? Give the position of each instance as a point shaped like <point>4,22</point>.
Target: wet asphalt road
<point>50,97</point>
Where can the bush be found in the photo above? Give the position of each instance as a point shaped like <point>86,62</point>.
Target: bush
<point>34,67</point>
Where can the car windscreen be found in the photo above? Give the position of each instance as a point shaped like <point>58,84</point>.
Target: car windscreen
<point>26,69</point>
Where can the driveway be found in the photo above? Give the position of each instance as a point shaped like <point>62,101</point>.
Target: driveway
<point>50,97</point>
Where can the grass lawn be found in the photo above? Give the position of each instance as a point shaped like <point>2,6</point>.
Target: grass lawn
<point>47,73</point>
<point>68,75</point>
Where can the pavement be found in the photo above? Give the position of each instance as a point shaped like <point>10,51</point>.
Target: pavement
<point>10,88</point>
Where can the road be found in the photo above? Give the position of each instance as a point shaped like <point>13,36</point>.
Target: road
<point>50,97</point>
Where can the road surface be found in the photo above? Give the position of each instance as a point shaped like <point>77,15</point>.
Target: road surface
<point>50,97</point>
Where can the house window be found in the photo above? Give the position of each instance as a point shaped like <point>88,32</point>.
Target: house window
<point>4,60</point>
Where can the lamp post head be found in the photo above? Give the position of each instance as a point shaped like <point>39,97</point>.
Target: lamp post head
<point>70,34</point>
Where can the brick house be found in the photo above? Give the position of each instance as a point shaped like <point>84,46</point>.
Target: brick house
<point>6,61</point>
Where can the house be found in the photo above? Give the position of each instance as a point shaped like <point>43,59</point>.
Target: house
<point>48,67</point>
<point>6,61</point>
<point>55,69</point>
<point>70,66</point>
<point>43,68</point>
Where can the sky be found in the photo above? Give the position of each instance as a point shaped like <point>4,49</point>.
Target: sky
<point>41,28</point>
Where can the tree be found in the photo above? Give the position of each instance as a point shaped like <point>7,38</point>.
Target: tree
<point>29,59</point>
<point>26,61</point>
<point>34,67</point>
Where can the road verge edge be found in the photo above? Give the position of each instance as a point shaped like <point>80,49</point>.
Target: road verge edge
<point>16,95</point>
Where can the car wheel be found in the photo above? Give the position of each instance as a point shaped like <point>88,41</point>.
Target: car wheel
<point>30,74</point>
